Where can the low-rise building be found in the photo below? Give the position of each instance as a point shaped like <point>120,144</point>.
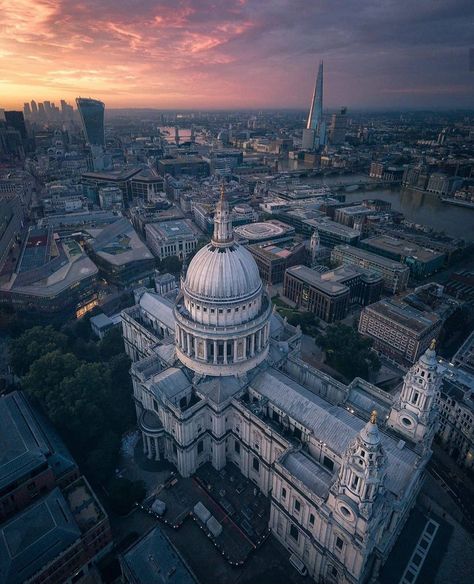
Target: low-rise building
<point>171,238</point>
<point>329,293</point>
<point>152,556</point>
<point>422,261</point>
<point>52,527</point>
<point>399,331</point>
<point>184,166</point>
<point>121,256</point>
<point>50,276</point>
<point>332,233</point>
<point>272,260</point>
<point>110,198</point>
<point>272,231</point>
<point>395,275</point>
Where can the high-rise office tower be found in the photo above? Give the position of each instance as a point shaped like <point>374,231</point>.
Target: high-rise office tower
<point>92,118</point>
<point>41,111</point>
<point>26,109</point>
<point>314,134</point>
<point>337,129</point>
<point>34,107</point>
<point>16,121</point>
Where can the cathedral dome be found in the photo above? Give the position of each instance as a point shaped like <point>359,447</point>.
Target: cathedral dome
<point>223,273</point>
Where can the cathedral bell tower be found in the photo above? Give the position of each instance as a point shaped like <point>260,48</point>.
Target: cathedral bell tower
<point>414,414</point>
<point>362,472</point>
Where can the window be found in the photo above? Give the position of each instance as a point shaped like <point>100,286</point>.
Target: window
<point>294,532</point>
<point>237,446</point>
<point>283,493</point>
<point>333,572</point>
<point>339,543</point>
<point>200,446</point>
<point>354,482</point>
<point>213,310</point>
<point>328,463</point>
<point>416,395</point>
<point>256,464</point>
<point>311,519</point>
<point>297,505</point>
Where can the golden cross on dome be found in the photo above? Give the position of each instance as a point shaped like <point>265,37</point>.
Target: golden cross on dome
<point>373,417</point>
<point>433,345</point>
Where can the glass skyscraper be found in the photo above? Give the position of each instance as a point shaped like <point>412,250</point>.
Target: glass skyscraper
<point>92,117</point>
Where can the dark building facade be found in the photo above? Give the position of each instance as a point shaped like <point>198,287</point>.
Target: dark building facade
<point>92,117</point>
<point>329,294</point>
<point>272,260</point>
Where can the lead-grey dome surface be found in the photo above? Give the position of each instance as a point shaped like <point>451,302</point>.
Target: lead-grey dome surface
<point>225,273</point>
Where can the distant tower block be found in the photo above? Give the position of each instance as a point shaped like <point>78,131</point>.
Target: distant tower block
<point>314,135</point>
<point>192,134</point>
<point>176,134</point>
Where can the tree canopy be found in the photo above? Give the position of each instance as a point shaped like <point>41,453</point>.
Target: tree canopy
<point>83,386</point>
<point>348,352</point>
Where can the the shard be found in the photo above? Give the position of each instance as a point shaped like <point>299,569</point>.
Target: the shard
<point>315,131</point>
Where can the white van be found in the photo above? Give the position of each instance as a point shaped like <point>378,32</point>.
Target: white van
<point>298,565</point>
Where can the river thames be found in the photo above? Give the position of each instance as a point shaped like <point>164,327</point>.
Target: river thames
<point>422,208</point>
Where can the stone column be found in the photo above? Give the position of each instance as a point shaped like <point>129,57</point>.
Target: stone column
<point>157,449</point>
<point>215,351</point>
<point>188,344</point>
<point>205,350</point>
<point>235,350</point>
<point>225,352</point>
<point>252,345</point>
<point>145,445</point>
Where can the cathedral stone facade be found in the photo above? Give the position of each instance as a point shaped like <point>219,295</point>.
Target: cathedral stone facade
<point>342,465</point>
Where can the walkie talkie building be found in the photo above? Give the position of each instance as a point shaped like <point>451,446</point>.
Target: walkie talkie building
<point>92,117</point>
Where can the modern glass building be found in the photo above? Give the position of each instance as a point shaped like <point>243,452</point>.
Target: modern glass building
<point>92,117</point>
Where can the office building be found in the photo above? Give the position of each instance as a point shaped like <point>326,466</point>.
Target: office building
<point>353,215</point>
<point>52,527</point>
<point>234,389</point>
<point>272,260</point>
<point>399,331</point>
<point>171,238</point>
<point>329,293</point>
<point>121,256</point>
<point>184,166</point>
<point>49,276</point>
<point>92,118</point>
<point>331,233</point>
<point>422,261</point>
<point>338,127</point>
<point>110,198</point>
<point>11,221</point>
<point>395,275</point>
<point>272,231</point>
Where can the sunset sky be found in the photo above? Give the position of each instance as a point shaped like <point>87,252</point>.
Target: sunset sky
<point>237,53</point>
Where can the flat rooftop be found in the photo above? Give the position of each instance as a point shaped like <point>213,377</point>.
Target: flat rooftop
<point>172,229</point>
<point>404,315</point>
<point>328,226</point>
<point>327,282</point>
<point>119,243</point>
<point>35,537</point>
<point>402,247</point>
<point>369,256</point>
<point>263,230</point>
<point>154,559</point>
<point>27,441</point>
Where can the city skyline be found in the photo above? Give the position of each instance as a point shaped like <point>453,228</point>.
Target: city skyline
<point>195,55</point>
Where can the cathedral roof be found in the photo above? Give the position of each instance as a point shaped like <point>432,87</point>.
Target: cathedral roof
<point>332,425</point>
<point>223,273</point>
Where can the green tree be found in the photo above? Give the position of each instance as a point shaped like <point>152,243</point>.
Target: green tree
<point>47,372</point>
<point>171,264</point>
<point>348,352</point>
<point>32,344</point>
<point>111,344</point>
